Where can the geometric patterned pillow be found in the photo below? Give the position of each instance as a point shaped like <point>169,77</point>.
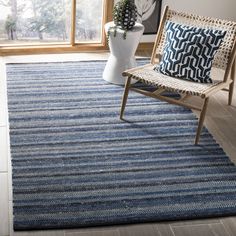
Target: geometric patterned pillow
<point>189,52</point>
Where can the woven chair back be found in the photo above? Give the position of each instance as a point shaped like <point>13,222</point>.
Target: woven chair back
<point>224,52</point>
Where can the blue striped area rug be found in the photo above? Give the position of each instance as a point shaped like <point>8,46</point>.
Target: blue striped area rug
<point>76,164</point>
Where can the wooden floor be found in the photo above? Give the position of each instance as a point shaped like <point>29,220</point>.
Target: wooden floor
<point>220,120</point>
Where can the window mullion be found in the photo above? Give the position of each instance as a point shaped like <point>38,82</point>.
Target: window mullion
<point>73,22</point>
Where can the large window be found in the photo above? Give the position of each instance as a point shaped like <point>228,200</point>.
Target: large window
<point>40,22</point>
<point>89,20</point>
<point>30,21</point>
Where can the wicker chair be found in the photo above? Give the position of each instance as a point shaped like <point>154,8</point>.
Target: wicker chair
<point>223,60</point>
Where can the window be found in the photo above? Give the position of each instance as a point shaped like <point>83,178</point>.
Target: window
<point>89,21</point>
<point>29,23</point>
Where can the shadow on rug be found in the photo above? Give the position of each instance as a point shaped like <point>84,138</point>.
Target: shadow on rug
<point>75,164</point>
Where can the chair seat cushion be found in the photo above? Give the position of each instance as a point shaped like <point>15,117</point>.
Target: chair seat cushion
<point>147,75</point>
<point>189,52</point>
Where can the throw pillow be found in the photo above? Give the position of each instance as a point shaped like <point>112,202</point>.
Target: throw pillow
<point>189,52</point>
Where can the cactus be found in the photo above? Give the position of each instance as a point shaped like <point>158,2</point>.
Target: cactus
<point>124,16</point>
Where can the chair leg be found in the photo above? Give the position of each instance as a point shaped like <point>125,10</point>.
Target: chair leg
<point>231,86</point>
<point>201,120</point>
<point>125,97</point>
<point>231,92</point>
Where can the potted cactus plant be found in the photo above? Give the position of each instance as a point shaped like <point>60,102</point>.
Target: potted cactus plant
<point>124,16</point>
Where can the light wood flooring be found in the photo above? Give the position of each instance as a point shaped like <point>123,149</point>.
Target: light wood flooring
<point>220,120</point>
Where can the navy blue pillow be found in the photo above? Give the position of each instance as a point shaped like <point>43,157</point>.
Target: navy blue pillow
<point>189,52</point>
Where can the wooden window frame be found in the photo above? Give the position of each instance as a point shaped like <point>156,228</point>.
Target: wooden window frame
<point>72,46</point>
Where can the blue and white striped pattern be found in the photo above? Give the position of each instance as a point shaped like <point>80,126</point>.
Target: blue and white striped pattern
<point>76,164</point>
<point>189,52</point>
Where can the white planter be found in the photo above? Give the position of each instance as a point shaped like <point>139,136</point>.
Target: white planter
<point>122,52</point>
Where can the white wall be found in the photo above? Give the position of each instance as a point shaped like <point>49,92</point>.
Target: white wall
<point>223,9</point>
